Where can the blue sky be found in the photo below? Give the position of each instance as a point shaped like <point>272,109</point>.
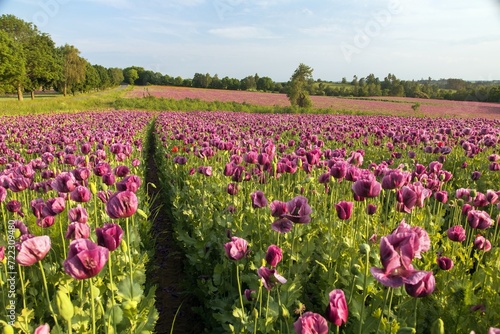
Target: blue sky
<point>409,38</point>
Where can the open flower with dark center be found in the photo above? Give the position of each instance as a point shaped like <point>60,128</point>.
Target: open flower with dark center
<point>85,259</point>
<point>298,210</point>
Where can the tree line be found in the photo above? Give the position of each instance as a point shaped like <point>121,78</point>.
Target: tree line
<point>31,61</point>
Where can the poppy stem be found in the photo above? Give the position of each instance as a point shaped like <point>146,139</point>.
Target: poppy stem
<point>415,314</point>
<point>365,279</point>
<point>23,288</point>
<point>383,307</point>
<point>239,287</point>
<point>110,268</point>
<point>47,295</point>
<point>92,305</point>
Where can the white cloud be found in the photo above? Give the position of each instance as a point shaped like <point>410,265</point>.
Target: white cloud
<point>242,32</point>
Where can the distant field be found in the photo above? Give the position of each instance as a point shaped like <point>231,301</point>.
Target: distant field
<point>384,105</point>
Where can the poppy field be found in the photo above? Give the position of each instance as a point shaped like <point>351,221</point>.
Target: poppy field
<point>74,212</point>
<point>287,223</point>
<point>354,224</point>
<point>387,105</point>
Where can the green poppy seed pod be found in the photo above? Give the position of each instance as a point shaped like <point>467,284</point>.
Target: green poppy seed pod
<point>64,305</point>
<point>308,180</point>
<point>93,188</point>
<point>123,246</point>
<point>7,329</point>
<point>17,233</point>
<point>473,193</point>
<point>355,269</point>
<point>406,330</point>
<point>104,187</point>
<point>284,312</point>
<point>364,248</point>
<point>299,163</point>
<point>437,326</point>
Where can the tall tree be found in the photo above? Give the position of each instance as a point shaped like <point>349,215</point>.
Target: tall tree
<point>12,64</point>
<point>300,82</point>
<point>130,75</point>
<point>73,67</point>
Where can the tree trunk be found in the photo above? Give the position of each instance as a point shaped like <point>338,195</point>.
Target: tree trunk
<point>19,93</point>
<point>65,89</point>
<point>32,94</point>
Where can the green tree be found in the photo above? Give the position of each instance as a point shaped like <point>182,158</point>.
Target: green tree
<point>130,75</point>
<point>265,84</point>
<point>12,64</point>
<point>300,83</point>
<point>116,75</point>
<point>38,51</point>
<point>73,68</point>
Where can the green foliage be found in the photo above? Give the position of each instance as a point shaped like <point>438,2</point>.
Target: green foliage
<point>300,83</point>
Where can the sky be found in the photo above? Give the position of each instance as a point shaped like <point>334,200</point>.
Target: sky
<point>236,38</point>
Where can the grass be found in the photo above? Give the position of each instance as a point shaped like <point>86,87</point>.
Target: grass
<point>56,103</point>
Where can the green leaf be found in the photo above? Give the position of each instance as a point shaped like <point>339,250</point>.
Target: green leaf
<point>128,291</point>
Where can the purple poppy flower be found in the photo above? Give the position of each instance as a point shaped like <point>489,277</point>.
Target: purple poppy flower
<point>481,243</point>
<point>136,162</point>
<point>367,187</point>
<point>480,200</point>
<point>445,263</point>
<point>274,255</point>
<point>2,253</point>
<point>122,170</point>
<point>77,231</point>
<point>236,249</point>
<point>479,219</point>
<point>491,196</point>
<point>108,179</point>
<point>54,206</point>
<point>37,206</point>
<point>65,182</point>
<point>475,175</point>
<point>324,178</point>
<point>456,233</point>
<point>109,236</point>
<point>122,204</point>
<point>42,329</point>
<point>81,194</point>
<point>278,208</point>
<point>337,311</point>
<point>339,170</point>
<point>104,196</point>
<point>371,209</point>
<point>15,207</point>
<point>131,183</point>
<point>45,221</point>
<point>394,179</point>
<point>441,196</point>
<point>250,294</point>
<point>205,170</point>
<point>309,323</point>
<point>259,200</point>
<point>424,287</point>
<point>232,189</point>
<point>78,215</point>
<point>81,173</point>
<point>33,250</point>
<point>270,277</point>
<point>85,259</point>
<point>356,158</point>
<point>344,209</point>
<point>282,225</point>
<point>3,194</point>
<point>298,210</point>
<point>102,168</point>
<point>229,169</point>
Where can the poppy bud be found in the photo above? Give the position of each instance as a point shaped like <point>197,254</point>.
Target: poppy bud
<point>437,326</point>
<point>64,304</point>
<point>364,248</point>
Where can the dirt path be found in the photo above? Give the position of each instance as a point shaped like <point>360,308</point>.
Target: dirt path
<point>167,271</point>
